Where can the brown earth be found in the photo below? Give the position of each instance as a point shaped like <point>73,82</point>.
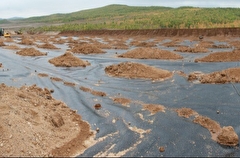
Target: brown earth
<point>26,41</point>
<point>142,44</point>
<point>56,79</point>
<point>47,46</point>
<point>154,108</point>
<point>69,83</point>
<point>14,47</point>
<point>123,101</point>
<point>1,65</point>
<point>42,75</point>
<point>173,43</point>
<point>220,77</point>
<point>2,44</point>
<point>197,49</point>
<point>30,52</point>
<point>225,136</point>
<point>150,53</point>
<point>35,124</point>
<point>137,70</point>
<point>68,60</point>
<point>93,92</point>
<point>86,49</point>
<point>221,57</point>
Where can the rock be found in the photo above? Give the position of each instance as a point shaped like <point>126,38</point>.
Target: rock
<point>228,136</point>
<point>57,120</point>
<point>97,106</point>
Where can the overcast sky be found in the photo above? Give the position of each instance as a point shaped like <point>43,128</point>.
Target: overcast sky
<point>29,8</point>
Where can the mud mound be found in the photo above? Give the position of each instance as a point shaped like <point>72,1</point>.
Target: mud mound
<point>150,53</point>
<point>30,52</point>
<point>137,70</point>
<point>154,108</point>
<point>224,76</point>
<point>14,47</point>
<point>86,49</point>
<point>123,101</point>
<point>36,125</point>
<point>225,136</point>
<point>56,79</point>
<point>93,92</point>
<point>143,44</point>
<point>221,57</point>
<point>47,46</point>
<point>68,60</point>
<point>174,43</point>
<point>197,49</point>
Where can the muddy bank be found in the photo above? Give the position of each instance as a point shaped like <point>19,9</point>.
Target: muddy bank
<point>161,32</point>
<point>150,53</point>
<point>35,124</point>
<point>137,70</point>
<point>68,60</point>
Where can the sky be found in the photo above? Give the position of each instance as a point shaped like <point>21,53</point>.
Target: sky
<point>30,8</point>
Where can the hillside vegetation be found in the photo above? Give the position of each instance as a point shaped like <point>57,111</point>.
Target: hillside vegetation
<point>129,17</point>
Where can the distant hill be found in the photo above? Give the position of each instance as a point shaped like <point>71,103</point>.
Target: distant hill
<point>129,17</point>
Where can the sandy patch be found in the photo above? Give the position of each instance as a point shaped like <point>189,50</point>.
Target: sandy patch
<point>137,70</point>
<point>68,60</point>
<point>35,124</point>
<point>93,92</point>
<point>154,108</point>
<point>150,53</point>
<point>221,57</point>
<point>123,101</point>
<point>56,79</point>
<point>186,112</point>
<point>30,52</point>
<point>42,75</point>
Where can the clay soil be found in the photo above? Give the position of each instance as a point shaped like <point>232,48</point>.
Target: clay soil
<point>30,52</point>
<point>219,77</point>
<point>221,57</point>
<point>137,70</point>
<point>35,124</point>
<point>150,53</point>
<point>68,60</point>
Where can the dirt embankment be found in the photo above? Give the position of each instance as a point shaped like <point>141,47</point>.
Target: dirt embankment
<point>221,57</point>
<point>161,32</point>
<point>35,124</point>
<point>220,77</point>
<point>30,52</point>
<point>225,136</point>
<point>137,70</point>
<point>68,60</point>
<point>150,53</point>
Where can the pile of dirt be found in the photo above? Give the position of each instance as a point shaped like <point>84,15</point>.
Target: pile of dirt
<point>197,49</point>
<point>143,44</point>
<point>86,49</point>
<point>224,136</point>
<point>56,79</point>
<point>34,124</point>
<point>68,60</point>
<point>2,44</point>
<point>150,53</point>
<point>26,41</point>
<point>154,108</point>
<point>221,57</point>
<point>47,46</point>
<point>174,43</point>
<point>93,92</point>
<point>101,45</point>
<point>137,70</point>
<point>236,44</point>
<point>14,47</point>
<point>1,65</point>
<point>220,77</point>
<point>123,101</point>
<point>118,45</point>
<point>30,52</point>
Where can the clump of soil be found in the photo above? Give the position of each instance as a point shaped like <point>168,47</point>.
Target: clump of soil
<point>97,106</point>
<point>174,43</point>
<point>197,49</point>
<point>68,60</point>
<point>14,47</point>
<point>206,44</point>
<point>93,92</point>
<point>221,57</point>
<point>137,70</point>
<point>220,77</point>
<point>225,136</point>
<point>26,41</point>
<point>56,79</point>
<point>42,75</point>
<point>86,49</point>
<point>30,52</point>
<point>123,101</point>
<point>143,44</point>
<point>1,65</point>
<point>154,108</point>
<point>185,112</point>
<point>33,124</point>
<point>2,44</point>
<point>118,45</point>
<point>150,53</point>
<point>69,83</point>
<point>47,46</point>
